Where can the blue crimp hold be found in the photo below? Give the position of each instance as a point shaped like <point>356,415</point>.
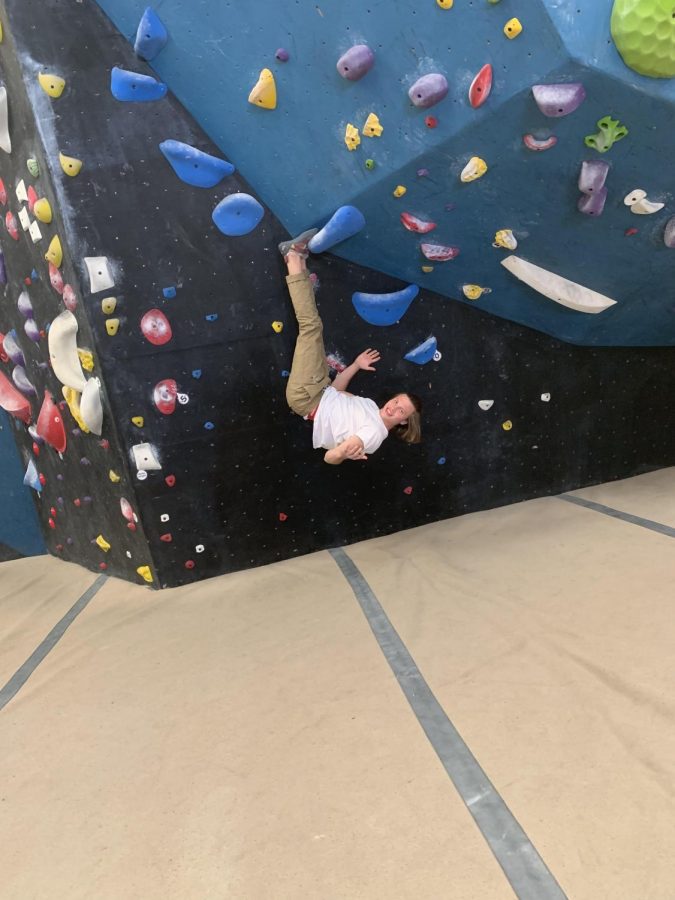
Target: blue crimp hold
<point>237,214</point>
<point>384,309</point>
<point>151,36</point>
<point>211,317</point>
<point>423,353</point>
<point>345,223</point>
<point>194,166</point>
<point>196,373</point>
<point>132,86</point>
<point>169,292</point>
<point>31,478</point>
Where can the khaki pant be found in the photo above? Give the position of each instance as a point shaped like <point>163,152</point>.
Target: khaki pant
<point>309,376</point>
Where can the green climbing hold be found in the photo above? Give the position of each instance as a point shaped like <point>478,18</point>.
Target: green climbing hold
<point>644,34</point>
<point>33,167</point>
<point>370,164</point>
<point>611,131</point>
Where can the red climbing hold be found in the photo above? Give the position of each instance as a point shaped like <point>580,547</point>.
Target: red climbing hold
<point>103,566</point>
<point>11,226</point>
<point>59,548</point>
<point>170,480</point>
<point>431,121</point>
<point>189,563</point>
<point>56,279</point>
<point>42,479</point>
<point>36,448</point>
<point>164,396</point>
<point>69,298</point>
<point>155,327</point>
<point>50,424</point>
<point>31,193</point>
<point>481,86</point>
<point>52,512</point>
<point>407,490</point>
<point>131,526</point>
<point>414,223</point>
<point>3,355</point>
<point>13,401</point>
<point>3,192</point>
<point>282,517</point>
<point>52,523</point>
<point>629,232</point>
<point>438,252</point>
<point>77,501</point>
<point>167,538</point>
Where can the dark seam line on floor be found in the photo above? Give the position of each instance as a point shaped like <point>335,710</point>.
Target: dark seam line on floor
<point>617,514</point>
<point>22,674</point>
<point>525,870</point>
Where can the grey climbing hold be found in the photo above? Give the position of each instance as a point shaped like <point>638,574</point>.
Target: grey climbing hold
<point>5,140</point>
<point>669,234</point>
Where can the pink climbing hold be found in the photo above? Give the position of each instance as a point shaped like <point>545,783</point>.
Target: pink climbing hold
<point>50,424</point>
<point>533,143</point>
<point>3,192</point>
<point>69,298</point>
<point>56,279</point>
<point>33,198</point>
<point>164,396</point>
<point>481,86</point>
<point>13,401</point>
<point>11,225</point>
<point>439,252</point>
<point>155,327</point>
<point>414,223</point>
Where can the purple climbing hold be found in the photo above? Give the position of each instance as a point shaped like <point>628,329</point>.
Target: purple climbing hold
<point>669,234</point>
<point>556,100</point>
<point>282,55</point>
<point>593,204</point>
<point>24,305</point>
<point>12,349</point>
<point>593,175</point>
<point>356,62</point>
<point>151,36</point>
<point>428,90</point>
<point>132,86</point>
<point>21,380</point>
<point>3,269</point>
<point>344,223</point>
<point>30,326</point>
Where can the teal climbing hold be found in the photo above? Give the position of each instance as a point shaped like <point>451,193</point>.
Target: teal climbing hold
<point>384,309</point>
<point>194,166</point>
<point>151,36</point>
<point>132,86</point>
<point>423,353</point>
<point>237,214</point>
<point>611,131</point>
<point>31,478</point>
<point>344,223</point>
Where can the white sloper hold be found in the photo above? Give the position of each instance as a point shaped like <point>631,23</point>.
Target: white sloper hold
<point>555,287</point>
<point>91,409</point>
<point>145,457</point>
<point>100,273</point>
<point>5,140</point>
<point>63,351</point>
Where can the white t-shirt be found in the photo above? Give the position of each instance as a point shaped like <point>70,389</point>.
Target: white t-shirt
<point>341,415</point>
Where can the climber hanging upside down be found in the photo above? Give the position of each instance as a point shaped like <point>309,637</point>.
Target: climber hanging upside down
<point>347,427</point>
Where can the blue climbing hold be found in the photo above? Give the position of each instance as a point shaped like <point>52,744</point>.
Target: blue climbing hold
<point>285,373</point>
<point>209,426</point>
<point>384,309</point>
<point>35,275</point>
<point>134,86</point>
<point>196,373</point>
<point>211,317</point>
<point>194,166</point>
<point>151,36</point>
<point>237,214</point>
<point>31,478</point>
<point>441,460</point>
<point>345,223</point>
<point>169,293</point>
<point>423,353</point>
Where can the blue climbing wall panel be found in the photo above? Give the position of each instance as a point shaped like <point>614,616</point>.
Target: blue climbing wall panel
<point>19,524</point>
<point>296,158</point>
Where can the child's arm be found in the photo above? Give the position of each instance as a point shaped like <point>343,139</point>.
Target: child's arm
<point>365,361</point>
<point>351,448</point>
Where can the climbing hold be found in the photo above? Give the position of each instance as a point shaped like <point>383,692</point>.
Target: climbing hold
<point>555,100</point>
<point>415,223</point>
<point>189,563</point>
<point>592,186</point>
<point>555,287</point>
<point>193,166</point>
<point>132,86</point>
<point>370,164</point>
<point>50,424</point>
<point>21,194</point>
<point>34,232</point>
<point>474,291</point>
<point>24,218</point>
<point>169,293</point>
<point>170,480</point>
<point>196,373</point>
<point>13,402</point>
<point>423,353</point>
<point>352,139</point>
<point>384,309</point>
<point>33,167</point>
<point>11,225</point>
<point>506,239</point>
<point>427,269</point>
<point>356,62</point>
<point>199,548</point>
<point>5,139</point>
<point>445,4</point>
<point>475,168</point>
<point>512,29</point>
<point>151,36</point>
<point>611,131</point>
<point>372,127</point>
<point>91,409</point>
<point>100,274</point>
<point>507,425</point>
<point>70,165</point>
<point>644,34</point>
<point>72,398</point>
<point>51,84</point>
<point>264,94</point>
<point>421,173</point>
<point>31,478</point>
<point>111,326</point>
<point>533,143</point>
<point>344,223</point>
<point>12,349</point>
<point>102,543</point>
<point>114,477</point>
<point>167,538</point>
<point>278,327</point>
<point>155,327</point>
<point>63,351</point>
<point>164,396</point>
<point>21,380</point>
<point>32,330</point>
<point>237,214</point>
<point>127,510</point>
<point>54,252</point>
<point>43,211</point>
<point>108,305</point>
<point>428,90</point>
<point>431,121</point>
<point>439,252</point>
<point>145,457</point>
<point>56,279</point>
<point>545,397</point>
<point>282,55</point>
<point>138,421</point>
<point>481,86</point>
<point>440,461</point>
<point>399,190</point>
<point>629,232</point>
<point>637,200</point>
<point>211,317</point>
<point>3,190</point>
<point>209,426</point>
<point>24,305</point>
<point>69,298</point>
<point>32,196</point>
<point>669,233</point>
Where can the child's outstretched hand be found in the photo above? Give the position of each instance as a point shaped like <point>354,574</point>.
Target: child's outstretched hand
<point>367,360</point>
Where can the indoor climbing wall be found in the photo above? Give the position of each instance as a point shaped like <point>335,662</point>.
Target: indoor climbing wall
<point>157,439</point>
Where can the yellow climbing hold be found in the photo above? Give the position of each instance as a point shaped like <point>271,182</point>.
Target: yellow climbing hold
<point>51,84</point>
<point>399,190</point>
<point>43,210</point>
<point>113,476</point>
<point>474,291</point>
<point>108,305</point>
<point>2,34</point>
<point>352,139</point>
<point>111,326</point>
<point>54,253</point>
<point>138,421</point>
<point>70,165</point>
<point>278,327</point>
<point>427,269</point>
<point>145,573</point>
<point>475,168</point>
<point>264,94</point>
<point>445,4</point>
<point>506,239</point>
<point>512,29</point>
<point>103,544</point>
<point>508,425</point>
<point>372,127</point>
<point>86,359</point>
<point>72,398</point>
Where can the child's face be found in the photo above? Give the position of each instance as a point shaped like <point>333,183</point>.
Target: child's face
<point>399,408</point>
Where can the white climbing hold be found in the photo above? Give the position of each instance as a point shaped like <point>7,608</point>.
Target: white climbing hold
<point>21,194</point>
<point>486,404</point>
<point>100,274</point>
<point>145,457</point>
<point>545,397</point>
<point>63,351</point>
<point>555,287</point>
<point>34,232</point>
<point>91,409</point>
<point>24,218</point>
<point>5,140</point>
<point>637,200</point>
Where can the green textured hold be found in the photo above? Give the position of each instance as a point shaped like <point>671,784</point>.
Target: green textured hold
<point>370,164</point>
<point>644,34</point>
<point>33,167</point>
<point>611,131</point>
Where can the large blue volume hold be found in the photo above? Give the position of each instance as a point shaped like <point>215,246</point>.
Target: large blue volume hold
<point>151,36</point>
<point>237,214</point>
<point>423,353</point>
<point>135,87</point>
<point>194,166</point>
<point>345,223</point>
<point>384,309</point>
